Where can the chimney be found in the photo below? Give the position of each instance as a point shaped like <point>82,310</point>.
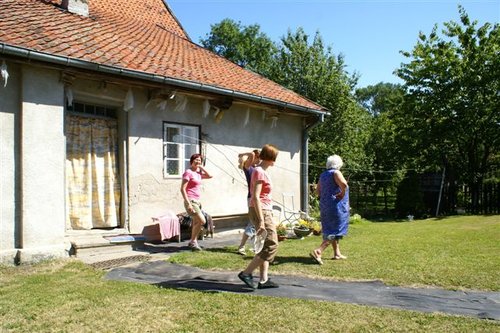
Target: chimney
<point>79,7</point>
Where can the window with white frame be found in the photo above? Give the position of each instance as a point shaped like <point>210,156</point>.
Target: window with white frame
<point>179,143</point>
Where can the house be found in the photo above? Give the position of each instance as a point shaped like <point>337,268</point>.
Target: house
<point>102,102</point>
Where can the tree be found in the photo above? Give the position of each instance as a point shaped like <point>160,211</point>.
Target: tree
<point>382,101</point>
<point>453,100</point>
<point>245,46</point>
<point>310,69</point>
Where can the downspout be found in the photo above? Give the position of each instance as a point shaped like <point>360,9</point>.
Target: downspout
<point>18,188</point>
<point>304,162</point>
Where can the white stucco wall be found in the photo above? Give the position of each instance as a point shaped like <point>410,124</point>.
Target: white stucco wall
<point>32,166</point>
<point>9,108</point>
<point>41,170</point>
<point>32,157</point>
<point>225,194</point>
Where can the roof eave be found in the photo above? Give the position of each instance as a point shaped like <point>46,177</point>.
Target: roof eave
<point>82,64</point>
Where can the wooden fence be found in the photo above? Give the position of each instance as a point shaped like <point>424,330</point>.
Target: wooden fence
<point>454,200</point>
<point>488,199</point>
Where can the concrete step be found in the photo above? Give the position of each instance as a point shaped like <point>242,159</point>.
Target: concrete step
<point>106,249</point>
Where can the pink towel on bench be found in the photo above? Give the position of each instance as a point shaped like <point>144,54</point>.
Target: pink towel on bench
<point>169,225</point>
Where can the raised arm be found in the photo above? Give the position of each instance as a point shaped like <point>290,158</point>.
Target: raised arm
<point>246,160</point>
<point>204,172</point>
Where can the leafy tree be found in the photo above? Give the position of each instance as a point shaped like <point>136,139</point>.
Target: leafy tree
<point>310,69</point>
<point>245,46</point>
<point>453,111</point>
<point>382,101</point>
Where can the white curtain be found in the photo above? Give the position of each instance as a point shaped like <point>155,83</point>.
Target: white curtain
<point>92,175</point>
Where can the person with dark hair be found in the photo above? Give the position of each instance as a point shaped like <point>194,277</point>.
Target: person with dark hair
<point>333,193</point>
<point>247,162</point>
<point>191,193</point>
<point>260,213</point>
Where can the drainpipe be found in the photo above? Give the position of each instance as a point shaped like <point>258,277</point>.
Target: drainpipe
<point>18,188</point>
<point>304,162</point>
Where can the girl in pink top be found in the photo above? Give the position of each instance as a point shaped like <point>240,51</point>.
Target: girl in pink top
<point>191,192</point>
<point>260,213</point>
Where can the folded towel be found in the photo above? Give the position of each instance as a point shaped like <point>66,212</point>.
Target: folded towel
<point>169,225</point>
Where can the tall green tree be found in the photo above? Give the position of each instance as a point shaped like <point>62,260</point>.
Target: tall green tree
<point>312,69</point>
<point>453,94</point>
<point>309,68</point>
<point>382,101</point>
<point>246,46</point>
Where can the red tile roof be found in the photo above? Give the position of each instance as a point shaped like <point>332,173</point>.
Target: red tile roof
<point>138,35</point>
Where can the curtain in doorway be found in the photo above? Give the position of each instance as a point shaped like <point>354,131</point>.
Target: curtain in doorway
<point>92,176</point>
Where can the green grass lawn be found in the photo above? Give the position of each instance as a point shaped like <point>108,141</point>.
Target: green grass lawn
<point>454,253</point>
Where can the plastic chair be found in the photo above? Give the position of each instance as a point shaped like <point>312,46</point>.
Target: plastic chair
<point>291,216</point>
<point>277,214</point>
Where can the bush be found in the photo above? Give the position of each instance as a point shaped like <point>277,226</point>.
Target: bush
<point>356,218</point>
<point>409,197</point>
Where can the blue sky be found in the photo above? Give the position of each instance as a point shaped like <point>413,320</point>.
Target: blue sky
<point>369,33</point>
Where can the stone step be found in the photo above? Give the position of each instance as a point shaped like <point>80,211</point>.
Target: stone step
<point>106,249</point>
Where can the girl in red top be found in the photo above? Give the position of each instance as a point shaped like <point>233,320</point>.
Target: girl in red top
<point>260,213</point>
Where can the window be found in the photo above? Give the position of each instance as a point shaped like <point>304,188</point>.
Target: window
<point>179,143</point>
<point>92,110</point>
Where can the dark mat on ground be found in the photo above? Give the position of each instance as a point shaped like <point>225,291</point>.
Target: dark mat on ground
<point>484,305</point>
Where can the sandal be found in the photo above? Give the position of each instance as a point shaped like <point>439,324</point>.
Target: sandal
<point>316,257</point>
<point>340,257</point>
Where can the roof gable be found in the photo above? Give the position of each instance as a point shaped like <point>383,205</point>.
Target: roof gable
<point>136,35</point>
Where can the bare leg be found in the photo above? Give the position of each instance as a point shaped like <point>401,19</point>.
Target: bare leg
<point>264,269</point>
<point>244,239</point>
<point>336,250</point>
<point>316,253</point>
<point>198,222</point>
<point>256,262</point>
<point>322,247</point>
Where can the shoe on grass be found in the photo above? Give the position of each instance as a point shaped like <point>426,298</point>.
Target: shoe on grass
<point>316,257</point>
<point>247,279</point>
<point>241,250</point>
<point>267,284</point>
<point>194,247</point>
<point>339,257</point>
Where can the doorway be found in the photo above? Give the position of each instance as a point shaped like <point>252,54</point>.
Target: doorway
<point>93,189</point>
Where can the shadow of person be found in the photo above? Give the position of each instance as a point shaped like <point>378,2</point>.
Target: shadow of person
<point>205,285</point>
<point>303,260</point>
